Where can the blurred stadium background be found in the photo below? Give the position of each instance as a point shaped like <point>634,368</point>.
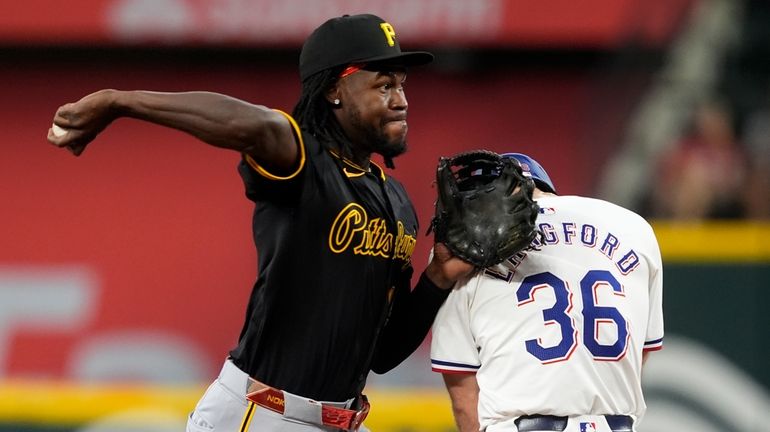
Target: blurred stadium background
<point>124,274</point>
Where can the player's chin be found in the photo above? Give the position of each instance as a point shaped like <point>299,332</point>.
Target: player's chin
<point>393,148</point>
<point>395,129</point>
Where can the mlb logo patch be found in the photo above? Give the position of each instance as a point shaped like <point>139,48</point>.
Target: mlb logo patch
<point>547,210</point>
<point>587,427</point>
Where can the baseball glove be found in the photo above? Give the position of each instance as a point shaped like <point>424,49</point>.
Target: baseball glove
<point>480,215</point>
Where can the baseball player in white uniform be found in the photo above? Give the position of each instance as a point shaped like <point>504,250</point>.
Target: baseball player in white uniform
<point>554,338</point>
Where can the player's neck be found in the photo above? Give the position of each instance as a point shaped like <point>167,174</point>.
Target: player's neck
<point>361,159</point>
<point>363,165</point>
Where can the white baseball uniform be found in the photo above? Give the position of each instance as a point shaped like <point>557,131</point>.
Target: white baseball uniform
<point>560,330</point>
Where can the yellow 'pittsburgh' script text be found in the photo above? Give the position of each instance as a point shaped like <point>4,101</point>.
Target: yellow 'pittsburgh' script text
<point>371,236</point>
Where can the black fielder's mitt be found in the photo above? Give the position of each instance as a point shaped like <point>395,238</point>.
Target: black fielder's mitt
<point>480,215</point>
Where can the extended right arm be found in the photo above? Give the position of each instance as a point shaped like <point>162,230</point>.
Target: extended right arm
<point>219,120</point>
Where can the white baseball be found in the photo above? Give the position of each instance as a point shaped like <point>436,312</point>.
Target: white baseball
<point>58,130</point>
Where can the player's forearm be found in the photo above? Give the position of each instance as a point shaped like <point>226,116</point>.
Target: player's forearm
<point>464,392</point>
<point>217,119</point>
<point>409,322</point>
<point>435,273</point>
<point>466,419</point>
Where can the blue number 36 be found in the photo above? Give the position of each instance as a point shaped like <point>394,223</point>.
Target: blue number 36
<point>593,316</point>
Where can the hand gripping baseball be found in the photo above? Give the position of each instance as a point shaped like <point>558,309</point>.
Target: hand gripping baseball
<point>76,124</point>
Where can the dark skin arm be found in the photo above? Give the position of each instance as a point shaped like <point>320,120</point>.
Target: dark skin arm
<point>445,269</point>
<point>216,119</point>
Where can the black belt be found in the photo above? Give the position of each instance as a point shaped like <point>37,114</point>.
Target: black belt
<point>618,423</point>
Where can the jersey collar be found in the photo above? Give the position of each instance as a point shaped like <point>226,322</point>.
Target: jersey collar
<point>353,170</point>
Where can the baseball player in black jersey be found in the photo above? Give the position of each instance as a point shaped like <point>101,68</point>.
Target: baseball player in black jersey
<point>334,232</point>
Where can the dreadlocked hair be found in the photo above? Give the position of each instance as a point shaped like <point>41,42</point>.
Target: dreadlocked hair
<point>314,113</point>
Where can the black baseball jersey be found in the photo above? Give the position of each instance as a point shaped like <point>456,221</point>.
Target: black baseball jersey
<point>334,244</point>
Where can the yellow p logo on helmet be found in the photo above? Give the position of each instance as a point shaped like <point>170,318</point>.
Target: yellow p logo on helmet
<point>390,33</point>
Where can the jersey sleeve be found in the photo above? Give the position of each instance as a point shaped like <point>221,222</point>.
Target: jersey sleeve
<point>263,185</point>
<point>453,348</point>
<point>654,339</point>
<point>302,152</point>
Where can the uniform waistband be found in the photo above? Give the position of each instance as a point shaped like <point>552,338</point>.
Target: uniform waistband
<point>326,413</point>
<point>617,423</point>
<point>236,380</point>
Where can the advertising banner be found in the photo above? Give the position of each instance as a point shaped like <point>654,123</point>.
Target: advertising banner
<point>267,23</point>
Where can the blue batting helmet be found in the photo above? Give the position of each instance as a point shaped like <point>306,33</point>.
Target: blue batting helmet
<point>535,170</point>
